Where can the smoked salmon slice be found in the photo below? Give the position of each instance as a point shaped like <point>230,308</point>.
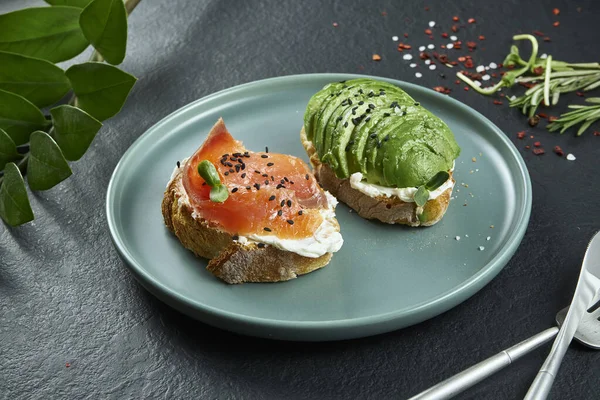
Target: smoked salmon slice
<point>269,193</point>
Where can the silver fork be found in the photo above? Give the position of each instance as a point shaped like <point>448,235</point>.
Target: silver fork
<point>588,333</point>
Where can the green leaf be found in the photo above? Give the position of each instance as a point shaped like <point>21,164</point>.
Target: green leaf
<point>8,150</point>
<point>209,173</point>
<point>104,24</point>
<point>19,117</point>
<point>39,81</point>
<point>14,203</point>
<point>70,3</point>
<point>421,196</point>
<point>437,180</point>
<point>101,89</point>
<point>75,129</point>
<point>47,166</point>
<point>50,33</point>
<point>219,193</point>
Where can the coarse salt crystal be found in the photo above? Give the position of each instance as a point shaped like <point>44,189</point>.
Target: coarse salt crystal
<point>395,38</point>
<point>449,45</point>
<point>570,157</point>
<point>413,65</point>
<point>480,68</point>
<point>481,248</point>
<point>478,83</point>
<point>418,74</point>
<point>486,77</point>
<point>422,48</point>
<point>407,57</point>
<point>544,55</point>
<point>431,24</point>
<point>453,38</point>
<point>427,62</point>
<point>487,68</point>
<point>457,238</point>
<point>512,98</point>
<point>493,65</point>
<point>432,67</point>
<point>466,235</point>
<point>430,46</point>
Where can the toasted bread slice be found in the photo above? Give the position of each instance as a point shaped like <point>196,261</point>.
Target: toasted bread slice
<point>230,260</point>
<point>390,210</point>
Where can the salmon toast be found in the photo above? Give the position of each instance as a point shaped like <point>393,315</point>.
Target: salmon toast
<point>257,216</point>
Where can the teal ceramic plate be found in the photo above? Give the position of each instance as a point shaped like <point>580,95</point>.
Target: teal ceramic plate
<point>384,278</point>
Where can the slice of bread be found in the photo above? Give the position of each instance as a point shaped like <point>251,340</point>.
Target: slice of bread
<point>390,210</point>
<point>230,260</point>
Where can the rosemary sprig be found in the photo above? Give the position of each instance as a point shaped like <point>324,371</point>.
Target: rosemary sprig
<point>582,114</point>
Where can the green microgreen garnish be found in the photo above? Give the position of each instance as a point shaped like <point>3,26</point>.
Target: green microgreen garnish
<point>422,193</point>
<point>421,196</point>
<point>208,172</point>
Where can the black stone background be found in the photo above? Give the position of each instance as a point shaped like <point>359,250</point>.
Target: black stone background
<point>66,297</point>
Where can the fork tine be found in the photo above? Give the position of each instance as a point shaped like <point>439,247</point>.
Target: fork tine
<point>595,303</point>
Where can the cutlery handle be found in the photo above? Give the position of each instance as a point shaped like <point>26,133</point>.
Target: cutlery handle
<point>540,388</point>
<point>478,372</point>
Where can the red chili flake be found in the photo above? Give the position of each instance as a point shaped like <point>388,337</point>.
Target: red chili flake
<point>493,74</point>
<point>471,45</point>
<point>556,24</point>
<point>497,102</point>
<point>538,33</point>
<point>462,59</point>
<point>444,35</point>
<point>547,39</point>
<point>521,135</point>
<point>538,152</point>
<point>556,11</point>
<point>384,13</point>
<point>431,37</point>
<point>423,56</point>
<point>406,35</point>
<point>443,58</point>
<point>580,94</point>
<point>407,46</point>
<point>559,151</point>
<point>469,63</point>
<point>335,24</point>
<point>454,63</point>
<point>537,144</point>
<point>533,121</point>
<point>538,70</point>
<point>376,57</point>
<point>428,31</point>
<point>501,95</point>
<point>481,37</point>
<point>527,147</point>
<point>455,19</point>
<point>542,115</point>
<point>443,46</point>
<point>442,89</point>
<point>500,65</point>
<point>552,118</point>
<point>454,28</point>
<point>466,88</point>
<point>528,85</point>
<point>471,20</point>
<point>457,81</point>
<point>596,133</point>
<point>426,8</point>
<point>67,365</point>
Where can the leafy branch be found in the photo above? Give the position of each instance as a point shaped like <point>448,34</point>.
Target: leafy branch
<point>39,134</point>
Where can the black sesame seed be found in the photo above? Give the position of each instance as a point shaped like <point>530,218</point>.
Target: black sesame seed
<point>282,182</point>
<point>344,103</point>
<point>368,110</point>
<point>225,155</point>
<point>247,155</point>
<point>339,118</point>
<point>272,178</point>
<point>360,91</point>
<point>248,187</point>
<point>373,135</point>
<point>351,142</point>
<point>292,182</point>
<point>386,138</point>
<point>286,179</point>
<point>231,170</point>
<point>291,222</point>
<point>226,173</point>
<point>279,212</point>
<point>257,186</point>
<point>203,183</point>
<point>257,172</point>
<point>346,124</point>
<point>261,245</point>
<point>347,148</point>
<point>367,119</point>
<point>306,176</point>
<point>244,175</point>
<point>417,104</point>
<point>229,164</point>
<point>234,190</point>
<point>266,181</point>
<point>267,229</point>
<point>371,106</point>
<point>371,94</point>
<point>349,102</point>
<point>178,164</point>
<point>266,149</point>
<point>282,203</point>
<point>237,168</point>
<point>235,237</point>
<point>300,212</point>
<point>289,203</point>
<point>243,166</point>
<point>360,103</point>
<point>270,164</point>
<point>386,114</point>
<point>265,175</point>
<point>264,156</point>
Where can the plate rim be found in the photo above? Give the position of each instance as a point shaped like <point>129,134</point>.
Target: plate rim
<point>453,296</point>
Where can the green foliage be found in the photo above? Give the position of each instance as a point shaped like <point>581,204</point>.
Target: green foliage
<point>49,33</point>
<point>47,165</point>
<point>101,89</point>
<point>39,142</point>
<point>14,203</point>
<point>74,130</point>
<point>39,81</point>
<point>104,24</point>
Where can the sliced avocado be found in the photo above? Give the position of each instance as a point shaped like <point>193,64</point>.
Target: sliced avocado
<point>315,105</point>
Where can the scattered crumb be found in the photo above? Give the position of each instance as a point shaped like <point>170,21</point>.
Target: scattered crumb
<point>492,226</point>
<point>466,235</point>
<point>376,57</point>
<point>488,238</point>
<point>474,159</point>
<point>481,248</point>
<point>457,238</point>
<point>335,25</point>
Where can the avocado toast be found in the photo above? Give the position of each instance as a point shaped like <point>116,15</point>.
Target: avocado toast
<point>379,151</point>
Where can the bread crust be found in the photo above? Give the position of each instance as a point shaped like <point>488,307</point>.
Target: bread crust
<point>390,210</point>
<point>229,260</point>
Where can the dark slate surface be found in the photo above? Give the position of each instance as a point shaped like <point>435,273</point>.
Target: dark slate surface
<point>65,296</point>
